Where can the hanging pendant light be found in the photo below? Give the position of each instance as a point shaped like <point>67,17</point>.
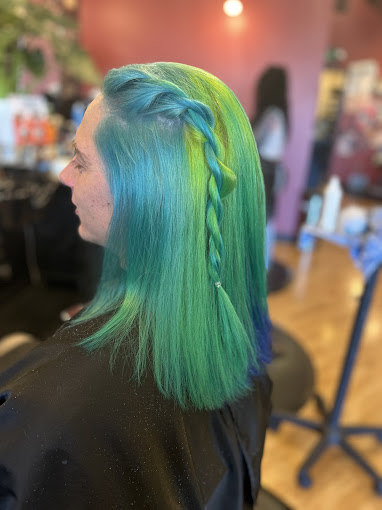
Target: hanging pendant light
<point>233,8</point>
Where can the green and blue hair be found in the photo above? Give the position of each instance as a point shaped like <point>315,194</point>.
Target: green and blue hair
<point>184,265</point>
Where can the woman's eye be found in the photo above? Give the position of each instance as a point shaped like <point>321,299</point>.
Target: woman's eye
<point>77,165</point>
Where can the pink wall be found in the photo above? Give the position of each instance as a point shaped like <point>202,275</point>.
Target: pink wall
<point>292,33</point>
<point>359,31</point>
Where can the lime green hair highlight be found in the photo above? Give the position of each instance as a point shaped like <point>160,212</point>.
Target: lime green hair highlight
<point>184,263</point>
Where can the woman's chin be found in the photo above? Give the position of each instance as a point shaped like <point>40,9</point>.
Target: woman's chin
<point>90,237</point>
<point>83,233</point>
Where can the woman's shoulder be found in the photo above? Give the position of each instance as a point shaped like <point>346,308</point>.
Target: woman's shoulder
<point>39,355</point>
<point>59,376</point>
<point>63,411</point>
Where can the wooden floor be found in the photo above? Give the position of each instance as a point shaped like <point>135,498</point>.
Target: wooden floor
<point>318,308</point>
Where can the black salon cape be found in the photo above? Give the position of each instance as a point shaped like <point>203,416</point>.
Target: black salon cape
<point>73,436</point>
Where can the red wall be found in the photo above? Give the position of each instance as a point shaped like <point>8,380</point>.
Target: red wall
<point>292,33</point>
<point>359,31</point>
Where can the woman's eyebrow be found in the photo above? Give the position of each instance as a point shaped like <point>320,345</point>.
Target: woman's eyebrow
<point>78,153</point>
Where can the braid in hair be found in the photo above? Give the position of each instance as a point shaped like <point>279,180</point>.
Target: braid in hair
<point>214,213</point>
<point>221,182</point>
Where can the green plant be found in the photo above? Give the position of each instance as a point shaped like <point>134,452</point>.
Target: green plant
<point>21,21</point>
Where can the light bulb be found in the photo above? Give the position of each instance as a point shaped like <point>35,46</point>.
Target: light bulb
<point>233,7</point>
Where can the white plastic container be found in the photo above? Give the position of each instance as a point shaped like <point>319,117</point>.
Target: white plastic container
<point>331,204</point>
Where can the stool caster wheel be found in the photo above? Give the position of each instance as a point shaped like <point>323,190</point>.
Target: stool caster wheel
<point>304,480</point>
<point>274,422</point>
<point>378,487</point>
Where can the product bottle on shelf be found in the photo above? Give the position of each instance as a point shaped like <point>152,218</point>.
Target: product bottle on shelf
<point>331,204</point>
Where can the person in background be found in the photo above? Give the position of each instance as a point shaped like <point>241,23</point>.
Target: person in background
<point>271,128</point>
<point>155,396</point>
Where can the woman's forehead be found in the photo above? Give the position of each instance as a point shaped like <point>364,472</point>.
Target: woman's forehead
<point>88,126</point>
<point>93,113</point>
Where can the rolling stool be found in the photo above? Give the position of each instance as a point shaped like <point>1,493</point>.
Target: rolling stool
<point>267,501</point>
<point>330,428</point>
<point>278,276</point>
<point>292,375</point>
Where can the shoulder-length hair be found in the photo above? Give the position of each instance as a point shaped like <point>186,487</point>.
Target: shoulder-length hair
<point>184,262</point>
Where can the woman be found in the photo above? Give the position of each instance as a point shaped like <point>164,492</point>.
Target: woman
<point>155,396</point>
<point>271,130</point>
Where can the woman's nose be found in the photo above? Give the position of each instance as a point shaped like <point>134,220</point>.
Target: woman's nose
<point>66,176</point>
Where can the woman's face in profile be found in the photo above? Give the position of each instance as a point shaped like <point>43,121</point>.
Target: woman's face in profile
<point>86,177</point>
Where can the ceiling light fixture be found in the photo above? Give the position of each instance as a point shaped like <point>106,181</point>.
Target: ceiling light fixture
<point>233,8</point>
